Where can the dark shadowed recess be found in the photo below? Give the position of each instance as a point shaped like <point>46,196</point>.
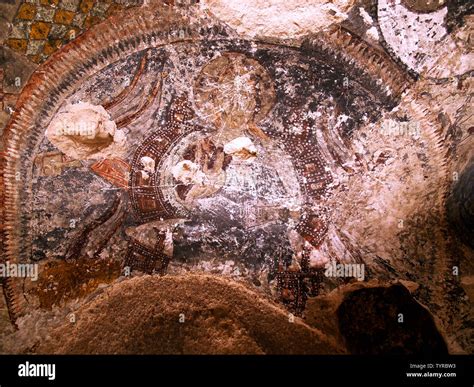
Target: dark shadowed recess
<point>369,321</point>
<point>460,206</point>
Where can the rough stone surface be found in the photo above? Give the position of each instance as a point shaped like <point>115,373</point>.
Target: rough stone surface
<point>218,317</point>
<point>280,18</point>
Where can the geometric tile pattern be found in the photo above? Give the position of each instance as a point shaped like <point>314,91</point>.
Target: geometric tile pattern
<point>40,27</point>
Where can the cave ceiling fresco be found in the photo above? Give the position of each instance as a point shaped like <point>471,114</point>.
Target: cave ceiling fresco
<point>172,140</point>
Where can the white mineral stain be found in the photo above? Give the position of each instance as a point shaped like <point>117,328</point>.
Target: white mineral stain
<point>188,172</point>
<point>241,148</point>
<point>85,131</point>
<point>148,164</point>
